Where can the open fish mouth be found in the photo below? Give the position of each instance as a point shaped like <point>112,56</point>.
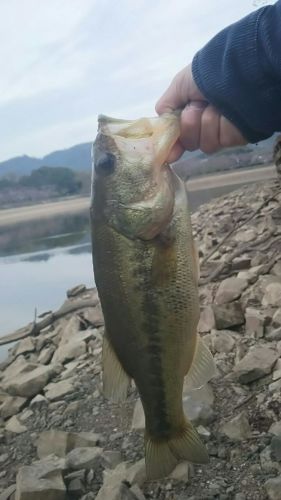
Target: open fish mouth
<point>151,138</point>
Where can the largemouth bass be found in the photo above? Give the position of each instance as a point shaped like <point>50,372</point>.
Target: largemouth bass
<point>146,272</point>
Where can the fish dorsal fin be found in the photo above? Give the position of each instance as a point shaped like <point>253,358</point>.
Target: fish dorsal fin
<point>203,367</point>
<point>115,380</point>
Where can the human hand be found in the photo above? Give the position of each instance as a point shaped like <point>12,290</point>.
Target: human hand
<point>202,125</point>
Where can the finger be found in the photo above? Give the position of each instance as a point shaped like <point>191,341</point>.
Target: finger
<point>171,99</point>
<point>191,124</point>
<point>175,153</point>
<point>210,130</point>
<point>181,90</point>
<point>230,136</point>
<point>178,93</point>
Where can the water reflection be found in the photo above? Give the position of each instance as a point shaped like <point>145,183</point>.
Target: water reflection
<point>28,282</point>
<point>58,232</point>
<point>39,261</point>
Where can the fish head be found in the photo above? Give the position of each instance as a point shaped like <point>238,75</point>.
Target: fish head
<point>131,178</point>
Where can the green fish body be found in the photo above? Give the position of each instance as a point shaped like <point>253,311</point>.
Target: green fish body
<point>146,272</point>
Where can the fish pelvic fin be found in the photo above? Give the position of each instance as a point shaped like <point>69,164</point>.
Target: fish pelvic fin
<point>115,380</point>
<point>202,369</point>
<point>162,456</point>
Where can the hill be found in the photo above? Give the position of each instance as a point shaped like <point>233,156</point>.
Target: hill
<point>78,158</point>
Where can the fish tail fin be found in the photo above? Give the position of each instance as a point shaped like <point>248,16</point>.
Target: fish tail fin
<point>162,455</point>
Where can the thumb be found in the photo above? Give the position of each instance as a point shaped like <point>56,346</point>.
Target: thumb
<point>181,90</point>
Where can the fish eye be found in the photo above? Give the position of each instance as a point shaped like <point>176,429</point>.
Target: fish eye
<point>105,163</point>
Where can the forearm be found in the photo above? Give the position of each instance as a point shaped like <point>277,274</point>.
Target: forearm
<point>239,72</point>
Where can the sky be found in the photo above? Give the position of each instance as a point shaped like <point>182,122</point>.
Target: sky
<point>63,62</point>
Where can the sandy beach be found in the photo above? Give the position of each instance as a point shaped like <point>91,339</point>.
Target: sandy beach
<point>16,215</point>
<point>11,216</point>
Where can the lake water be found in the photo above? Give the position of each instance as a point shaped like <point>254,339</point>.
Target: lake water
<point>39,261</point>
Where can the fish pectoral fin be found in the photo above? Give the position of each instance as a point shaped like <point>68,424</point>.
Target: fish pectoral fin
<point>203,367</point>
<point>162,456</point>
<point>115,380</point>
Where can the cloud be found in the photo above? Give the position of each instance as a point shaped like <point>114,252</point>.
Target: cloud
<point>65,61</point>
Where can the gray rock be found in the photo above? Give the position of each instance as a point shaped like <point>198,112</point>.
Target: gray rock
<point>272,296</point>
<point>76,488</point>
<point>30,383</point>
<point>25,346</point>
<point>13,425</point>
<point>8,492</point>
<point>111,459</point>
<point>94,316</point>
<point>56,391</point>
<point>39,400</point>
<point>70,369</point>
<point>207,320</point>
<point>203,432</point>
<point>269,465</point>
<point>46,355</point>
<point>25,414</point>
<point>274,335</point>
<point>134,474</point>
<point>222,341</point>
<point>276,270</point>
<point>40,482</point>
<point>275,429</point>
<point>138,421</point>
<point>246,235</point>
<point>181,472</point>
<point>228,315</point>
<point>238,428</point>
<point>276,448</point>
<point>76,290</point>
<point>257,363</point>
<point>84,458</point>
<point>255,321</point>
<point>137,492</point>
<point>276,319</point>
<point>275,386</point>
<point>60,443</point>
<point>19,366</point>
<point>120,491</point>
<point>230,289</point>
<point>273,488</point>
<point>3,458</point>
<point>11,406</point>
<point>197,405</point>
<point>70,350</point>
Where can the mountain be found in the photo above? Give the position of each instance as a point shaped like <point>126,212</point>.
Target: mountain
<point>79,158</point>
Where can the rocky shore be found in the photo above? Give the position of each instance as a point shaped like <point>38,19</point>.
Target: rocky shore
<point>61,440</point>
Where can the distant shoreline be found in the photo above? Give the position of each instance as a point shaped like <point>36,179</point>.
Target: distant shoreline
<point>11,216</point>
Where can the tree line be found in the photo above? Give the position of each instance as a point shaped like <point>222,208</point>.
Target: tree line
<point>63,180</point>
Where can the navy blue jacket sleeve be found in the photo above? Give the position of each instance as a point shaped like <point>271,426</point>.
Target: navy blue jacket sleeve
<point>239,72</point>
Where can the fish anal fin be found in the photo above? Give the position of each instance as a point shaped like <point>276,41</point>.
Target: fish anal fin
<point>202,369</point>
<point>115,380</point>
<point>162,456</point>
